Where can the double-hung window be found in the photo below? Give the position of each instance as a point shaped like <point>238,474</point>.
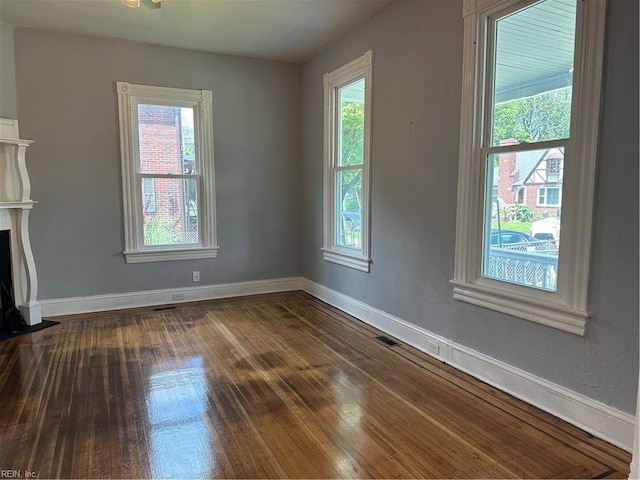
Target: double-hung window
<point>347,117</point>
<point>166,143</point>
<point>529,129</point>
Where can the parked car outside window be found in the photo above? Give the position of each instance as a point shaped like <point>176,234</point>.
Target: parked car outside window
<point>546,229</point>
<point>521,241</point>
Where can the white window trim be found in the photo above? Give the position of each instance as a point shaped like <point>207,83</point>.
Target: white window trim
<point>361,67</point>
<point>135,251</point>
<point>566,309</point>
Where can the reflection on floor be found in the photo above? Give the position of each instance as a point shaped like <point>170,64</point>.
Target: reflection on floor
<point>269,386</point>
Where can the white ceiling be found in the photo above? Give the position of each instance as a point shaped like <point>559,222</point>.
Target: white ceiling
<point>286,30</point>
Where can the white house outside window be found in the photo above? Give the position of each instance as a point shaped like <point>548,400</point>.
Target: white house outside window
<point>346,163</point>
<point>166,141</point>
<point>530,111</point>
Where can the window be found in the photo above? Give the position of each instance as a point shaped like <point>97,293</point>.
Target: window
<point>166,142</point>
<point>530,111</point>
<point>549,196</point>
<point>347,116</point>
<point>553,166</point>
<point>554,169</point>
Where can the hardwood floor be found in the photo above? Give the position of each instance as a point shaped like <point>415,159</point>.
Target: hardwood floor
<point>277,385</point>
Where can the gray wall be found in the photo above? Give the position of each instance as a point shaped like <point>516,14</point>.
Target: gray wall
<point>269,167</point>
<point>416,125</point>
<point>68,105</point>
<point>8,107</point>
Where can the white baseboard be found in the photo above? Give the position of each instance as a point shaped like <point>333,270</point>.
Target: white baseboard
<point>595,417</point>
<point>118,301</point>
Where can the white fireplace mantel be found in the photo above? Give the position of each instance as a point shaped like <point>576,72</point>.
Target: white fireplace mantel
<point>15,206</point>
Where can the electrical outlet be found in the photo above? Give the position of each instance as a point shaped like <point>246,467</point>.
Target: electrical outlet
<point>178,296</point>
<point>196,276</point>
<point>433,349</point>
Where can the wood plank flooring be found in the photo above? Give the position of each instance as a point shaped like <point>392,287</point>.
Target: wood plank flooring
<point>270,386</point>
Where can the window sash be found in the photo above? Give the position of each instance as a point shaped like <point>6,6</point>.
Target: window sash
<point>135,103</point>
<point>496,10</point>
<point>485,94</point>
<point>337,167</point>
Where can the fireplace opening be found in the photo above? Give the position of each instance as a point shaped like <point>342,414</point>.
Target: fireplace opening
<point>5,258</point>
<point>11,320</point>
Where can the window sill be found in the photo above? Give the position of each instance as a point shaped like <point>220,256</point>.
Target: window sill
<point>351,261</point>
<point>170,255</point>
<point>539,310</point>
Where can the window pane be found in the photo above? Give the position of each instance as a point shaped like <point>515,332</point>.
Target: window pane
<point>351,124</point>
<point>175,218</point>
<point>553,196</point>
<point>521,225</point>
<point>349,208</point>
<point>534,51</point>
<point>166,139</point>
<point>148,195</point>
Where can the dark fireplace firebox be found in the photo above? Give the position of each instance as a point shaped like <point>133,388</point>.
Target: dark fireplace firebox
<point>11,319</point>
<point>5,258</point>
